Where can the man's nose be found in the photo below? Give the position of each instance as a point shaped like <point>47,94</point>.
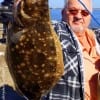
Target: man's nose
<point>77,18</point>
<point>78,15</point>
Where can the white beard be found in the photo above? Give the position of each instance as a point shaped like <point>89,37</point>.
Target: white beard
<point>77,29</point>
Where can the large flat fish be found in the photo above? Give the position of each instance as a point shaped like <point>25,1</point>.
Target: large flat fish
<point>34,54</point>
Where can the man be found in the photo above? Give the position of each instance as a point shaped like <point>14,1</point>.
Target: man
<point>81,54</point>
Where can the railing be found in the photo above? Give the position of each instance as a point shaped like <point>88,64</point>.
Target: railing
<point>5,17</point>
<point>5,13</point>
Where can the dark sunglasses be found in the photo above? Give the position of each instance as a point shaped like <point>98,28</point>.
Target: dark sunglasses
<point>76,11</point>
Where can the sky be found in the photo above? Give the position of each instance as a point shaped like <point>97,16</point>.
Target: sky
<point>60,3</point>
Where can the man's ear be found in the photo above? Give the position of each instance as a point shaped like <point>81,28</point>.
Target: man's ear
<point>63,14</point>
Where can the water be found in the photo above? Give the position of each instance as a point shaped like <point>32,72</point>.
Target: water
<point>56,15</point>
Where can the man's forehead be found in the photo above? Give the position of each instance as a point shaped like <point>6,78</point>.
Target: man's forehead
<point>77,3</point>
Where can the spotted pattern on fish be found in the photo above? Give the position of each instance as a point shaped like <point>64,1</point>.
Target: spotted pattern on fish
<point>34,54</point>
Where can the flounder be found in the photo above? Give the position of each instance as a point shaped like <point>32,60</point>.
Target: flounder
<point>34,54</point>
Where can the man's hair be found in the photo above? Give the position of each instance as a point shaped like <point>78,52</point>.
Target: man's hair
<point>66,3</point>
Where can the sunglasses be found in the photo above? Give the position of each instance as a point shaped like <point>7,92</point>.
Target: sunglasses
<point>76,11</point>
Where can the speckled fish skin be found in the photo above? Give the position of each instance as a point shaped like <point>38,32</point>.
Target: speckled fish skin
<point>34,53</point>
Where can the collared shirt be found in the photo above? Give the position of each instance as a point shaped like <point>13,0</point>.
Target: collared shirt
<point>71,84</point>
<point>90,57</point>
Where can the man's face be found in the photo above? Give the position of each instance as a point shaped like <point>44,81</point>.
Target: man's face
<point>77,16</point>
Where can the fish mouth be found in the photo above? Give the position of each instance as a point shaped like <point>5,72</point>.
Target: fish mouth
<point>19,8</point>
<point>24,15</point>
<point>21,3</point>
